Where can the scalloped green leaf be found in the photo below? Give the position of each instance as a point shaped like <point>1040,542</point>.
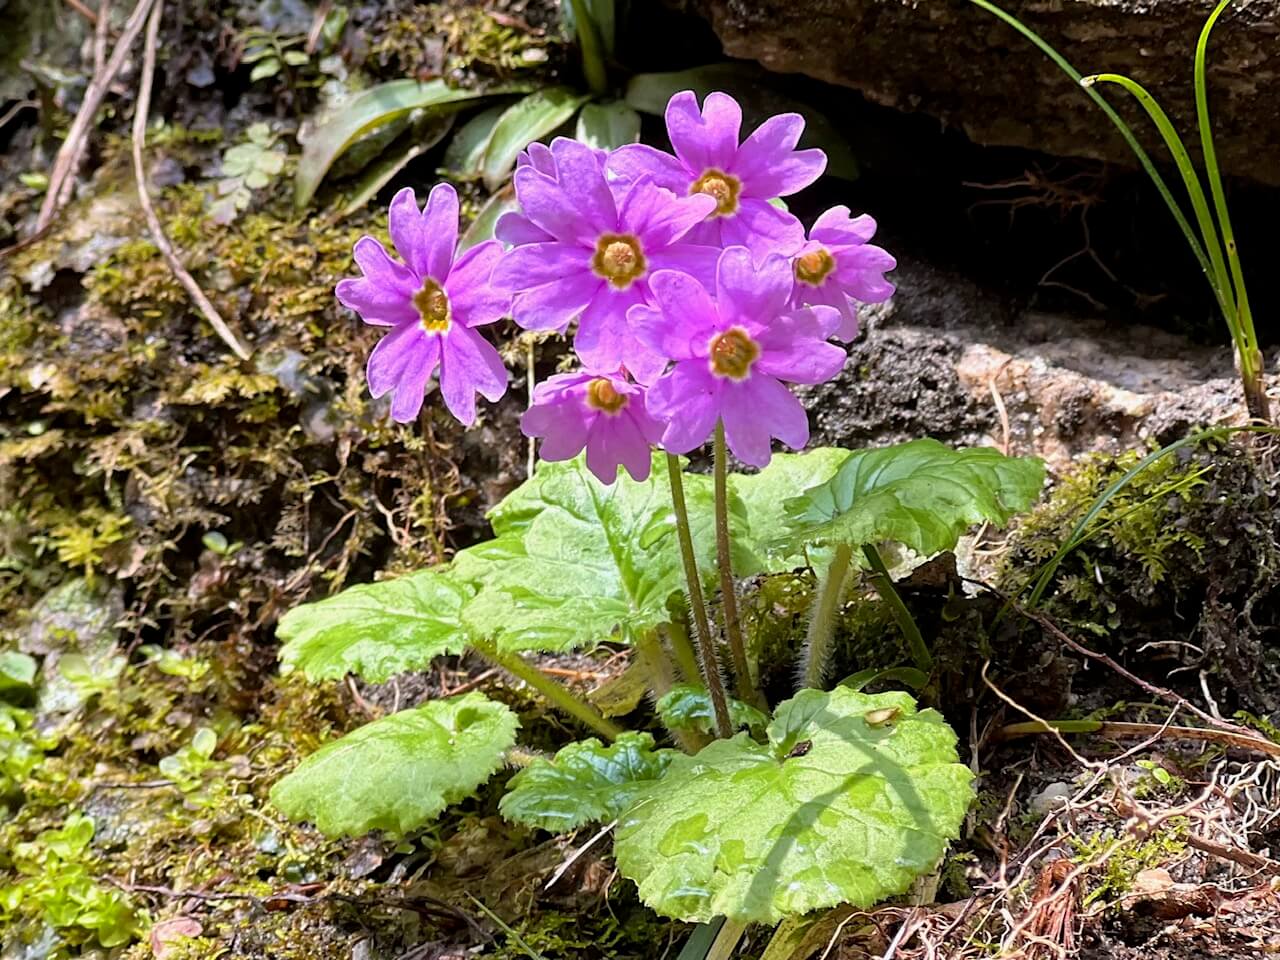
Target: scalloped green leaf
<point>852,798</point>
<point>922,494</point>
<point>577,562</point>
<point>687,706</point>
<point>396,774</point>
<point>586,782</point>
<point>376,630</point>
<point>787,475</point>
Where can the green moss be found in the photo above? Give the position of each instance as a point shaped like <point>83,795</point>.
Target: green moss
<point>1115,860</point>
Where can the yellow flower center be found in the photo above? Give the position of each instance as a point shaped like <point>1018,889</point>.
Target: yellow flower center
<point>721,187</point>
<point>602,396</point>
<point>432,304</point>
<point>732,354</point>
<point>815,266</point>
<point>618,259</point>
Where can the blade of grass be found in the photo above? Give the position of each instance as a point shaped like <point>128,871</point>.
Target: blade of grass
<point>1080,532</point>
<point>1204,219</point>
<point>1125,131</point>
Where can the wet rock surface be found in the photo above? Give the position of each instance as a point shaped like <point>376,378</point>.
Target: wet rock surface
<point>953,61</point>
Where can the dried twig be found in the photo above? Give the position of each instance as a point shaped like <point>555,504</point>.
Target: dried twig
<point>141,109</point>
<point>67,161</point>
<point>1162,692</point>
<point>100,37</point>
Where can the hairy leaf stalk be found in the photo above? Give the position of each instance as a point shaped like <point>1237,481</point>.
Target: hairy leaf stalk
<point>556,693</point>
<point>728,591</point>
<point>711,674</point>
<point>822,618</point>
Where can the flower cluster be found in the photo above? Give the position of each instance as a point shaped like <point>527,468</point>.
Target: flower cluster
<point>696,295</point>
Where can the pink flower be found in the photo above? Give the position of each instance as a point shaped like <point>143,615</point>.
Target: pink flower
<point>583,251</point>
<point>741,177</point>
<point>432,303</point>
<point>839,268</point>
<point>604,413</point>
<point>732,353</point>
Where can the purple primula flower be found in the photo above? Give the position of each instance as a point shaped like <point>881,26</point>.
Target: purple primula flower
<point>582,251</point>
<point>741,177</point>
<point>732,353</point>
<point>839,268</point>
<point>604,413</point>
<point>433,302</point>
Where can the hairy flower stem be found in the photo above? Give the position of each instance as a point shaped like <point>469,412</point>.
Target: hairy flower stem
<point>883,583</point>
<point>556,693</point>
<point>706,645</point>
<point>724,560</point>
<point>660,675</point>
<point>822,618</point>
<point>682,650</point>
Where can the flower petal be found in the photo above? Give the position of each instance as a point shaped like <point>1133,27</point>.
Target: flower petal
<point>516,228</point>
<point>549,207</point>
<point>860,271</point>
<point>553,305</point>
<point>631,162</point>
<point>580,173</point>
<point>633,449</point>
<point>659,217</point>
<point>752,293</point>
<point>378,267</point>
<point>769,164</point>
<point>688,400</point>
<point>706,139</point>
<point>760,226</point>
<point>406,402</point>
<point>469,364</point>
<point>377,305</point>
<point>539,156</point>
<point>394,353</point>
<point>561,420</point>
<point>404,222</point>
<point>439,231</point>
<point>760,408</point>
<point>835,226</point>
<point>795,349</point>
<point>602,459</point>
<point>692,258</point>
<point>474,300</point>
<point>606,341</point>
<point>682,319</point>
<point>534,264</point>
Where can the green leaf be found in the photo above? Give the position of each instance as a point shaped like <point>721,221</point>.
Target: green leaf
<point>396,774</point>
<point>833,809</point>
<point>523,122</point>
<point>577,560</point>
<point>264,69</point>
<point>365,111</point>
<point>687,706</point>
<point>922,494</point>
<point>482,227</point>
<point>422,138</point>
<point>754,88</point>
<point>587,782</point>
<point>607,126</point>
<point>600,13</point>
<point>17,673</point>
<point>786,476</point>
<point>465,153</point>
<point>376,630</point>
